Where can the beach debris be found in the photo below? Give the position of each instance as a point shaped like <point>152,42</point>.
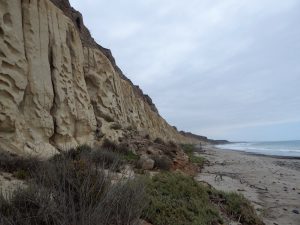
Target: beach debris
<point>242,181</point>
<point>219,177</point>
<point>295,211</point>
<point>259,188</point>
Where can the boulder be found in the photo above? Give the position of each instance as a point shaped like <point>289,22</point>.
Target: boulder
<point>145,163</point>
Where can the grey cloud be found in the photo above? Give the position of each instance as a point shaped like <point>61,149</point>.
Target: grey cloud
<point>212,67</point>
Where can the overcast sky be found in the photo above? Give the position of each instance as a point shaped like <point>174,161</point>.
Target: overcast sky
<point>226,69</point>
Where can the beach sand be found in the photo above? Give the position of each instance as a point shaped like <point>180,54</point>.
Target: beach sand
<point>272,184</point>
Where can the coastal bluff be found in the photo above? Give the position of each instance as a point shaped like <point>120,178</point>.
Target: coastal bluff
<point>60,89</point>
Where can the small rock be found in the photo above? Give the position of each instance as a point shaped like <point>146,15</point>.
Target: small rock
<point>295,211</point>
<point>146,163</point>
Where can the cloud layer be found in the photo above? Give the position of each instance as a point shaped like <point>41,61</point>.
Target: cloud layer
<point>225,69</point>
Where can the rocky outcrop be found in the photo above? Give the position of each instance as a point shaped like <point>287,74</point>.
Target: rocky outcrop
<point>58,88</point>
<point>203,139</point>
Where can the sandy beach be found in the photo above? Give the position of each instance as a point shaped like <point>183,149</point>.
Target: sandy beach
<point>272,184</point>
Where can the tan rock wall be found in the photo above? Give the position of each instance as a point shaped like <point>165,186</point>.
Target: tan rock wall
<point>56,93</point>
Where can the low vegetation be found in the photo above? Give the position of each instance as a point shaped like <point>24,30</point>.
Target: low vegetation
<point>236,206</point>
<point>16,164</point>
<point>179,200</point>
<point>73,188</point>
<point>76,187</point>
<point>189,149</point>
<point>121,150</point>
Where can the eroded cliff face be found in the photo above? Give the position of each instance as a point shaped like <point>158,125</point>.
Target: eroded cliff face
<point>59,89</point>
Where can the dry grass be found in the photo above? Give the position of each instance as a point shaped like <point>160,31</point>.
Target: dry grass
<point>74,189</point>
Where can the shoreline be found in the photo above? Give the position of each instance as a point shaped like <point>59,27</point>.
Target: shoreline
<point>271,183</point>
<point>258,154</point>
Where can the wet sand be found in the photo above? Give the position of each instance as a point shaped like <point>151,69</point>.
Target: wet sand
<point>272,184</point>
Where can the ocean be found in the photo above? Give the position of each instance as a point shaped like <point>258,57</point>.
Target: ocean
<point>278,148</point>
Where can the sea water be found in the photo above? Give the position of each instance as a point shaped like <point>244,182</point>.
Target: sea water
<point>278,148</point>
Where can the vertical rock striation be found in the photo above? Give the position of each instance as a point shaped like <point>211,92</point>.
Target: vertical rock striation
<point>58,88</point>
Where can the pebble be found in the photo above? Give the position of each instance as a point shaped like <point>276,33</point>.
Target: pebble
<point>295,211</point>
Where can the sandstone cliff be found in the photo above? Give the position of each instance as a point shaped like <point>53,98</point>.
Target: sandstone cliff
<point>58,88</point>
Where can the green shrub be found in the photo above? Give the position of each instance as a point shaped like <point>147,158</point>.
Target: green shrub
<point>189,149</point>
<point>236,206</point>
<point>122,150</point>
<point>130,157</point>
<point>107,159</point>
<point>21,174</point>
<point>178,200</point>
<point>197,160</point>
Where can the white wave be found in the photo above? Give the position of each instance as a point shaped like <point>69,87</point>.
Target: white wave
<point>288,148</point>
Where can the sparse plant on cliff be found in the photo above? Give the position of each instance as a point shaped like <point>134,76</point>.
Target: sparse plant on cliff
<point>107,159</point>
<point>122,149</point>
<point>189,149</point>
